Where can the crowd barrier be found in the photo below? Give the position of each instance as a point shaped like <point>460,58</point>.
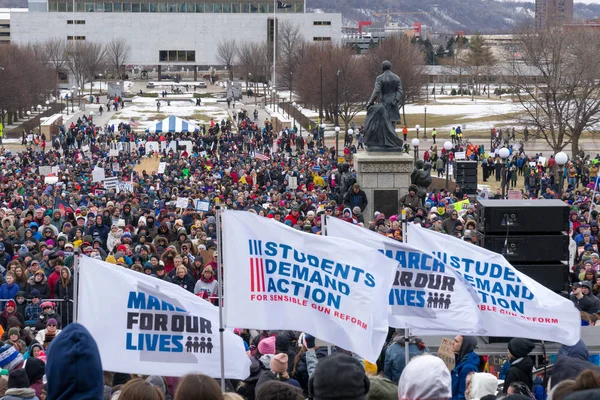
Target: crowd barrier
<point>63,307</point>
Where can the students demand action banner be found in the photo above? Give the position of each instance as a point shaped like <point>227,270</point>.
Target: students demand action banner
<point>511,304</point>
<point>279,278</point>
<point>151,327</point>
<point>426,293</point>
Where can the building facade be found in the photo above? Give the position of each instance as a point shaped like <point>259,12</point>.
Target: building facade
<point>166,33</point>
<point>549,13</point>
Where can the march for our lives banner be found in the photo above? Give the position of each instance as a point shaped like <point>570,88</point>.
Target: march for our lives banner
<point>511,304</point>
<point>426,294</point>
<point>151,327</point>
<point>279,278</point>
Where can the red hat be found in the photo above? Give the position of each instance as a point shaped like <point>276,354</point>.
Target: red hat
<point>11,303</point>
<point>122,248</point>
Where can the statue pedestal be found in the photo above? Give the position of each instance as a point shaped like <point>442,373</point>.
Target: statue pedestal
<point>384,177</point>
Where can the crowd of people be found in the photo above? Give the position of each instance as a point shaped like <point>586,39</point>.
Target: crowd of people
<point>241,164</point>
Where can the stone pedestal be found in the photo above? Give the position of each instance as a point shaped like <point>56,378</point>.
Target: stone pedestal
<point>384,177</point>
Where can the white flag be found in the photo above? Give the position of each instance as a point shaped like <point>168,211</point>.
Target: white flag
<point>426,293</point>
<point>511,303</point>
<point>151,327</point>
<point>279,278</point>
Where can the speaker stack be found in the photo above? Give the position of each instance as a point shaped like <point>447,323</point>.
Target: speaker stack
<point>466,176</point>
<point>531,234</point>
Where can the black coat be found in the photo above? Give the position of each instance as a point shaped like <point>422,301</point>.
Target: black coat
<point>520,371</point>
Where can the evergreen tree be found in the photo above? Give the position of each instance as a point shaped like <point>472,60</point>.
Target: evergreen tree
<point>450,46</point>
<point>440,52</point>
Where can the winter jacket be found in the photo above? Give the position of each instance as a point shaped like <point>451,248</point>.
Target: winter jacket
<point>20,394</point>
<point>41,335</point>
<point>521,370</point>
<point>211,287</point>
<point>9,292</point>
<point>268,376</point>
<point>469,363</point>
<point>42,286</point>
<point>359,199</point>
<point>395,358</point>
<point>187,282</point>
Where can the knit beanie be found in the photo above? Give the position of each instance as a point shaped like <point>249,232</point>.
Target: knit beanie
<point>13,331</point>
<point>111,259</point>
<point>279,363</point>
<point>9,357</point>
<point>18,379</point>
<point>520,347</point>
<point>339,376</point>
<point>267,345</point>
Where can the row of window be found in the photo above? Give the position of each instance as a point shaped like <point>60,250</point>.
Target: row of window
<point>322,39</point>
<point>76,22</point>
<point>192,7</point>
<point>4,26</point>
<point>177,56</point>
<point>322,23</point>
<point>76,37</point>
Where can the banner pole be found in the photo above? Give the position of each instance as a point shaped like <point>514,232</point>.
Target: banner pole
<point>404,226</point>
<point>220,268</point>
<point>406,349</point>
<point>324,229</point>
<point>76,259</point>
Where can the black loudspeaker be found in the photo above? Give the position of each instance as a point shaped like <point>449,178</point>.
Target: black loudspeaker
<point>554,276</point>
<point>522,216</point>
<point>528,248</point>
<point>465,175</point>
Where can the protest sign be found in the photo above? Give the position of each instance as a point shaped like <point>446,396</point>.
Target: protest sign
<point>515,195</point>
<point>426,293</point>
<point>511,304</point>
<point>161,167</point>
<point>182,202</point>
<point>446,353</point>
<point>460,155</point>
<point>55,170</point>
<point>202,205</point>
<point>279,278</point>
<point>85,148</point>
<point>111,183</point>
<point>116,166</point>
<point>98,174</point>
<point>113,152</point>
<point>124,187</point>
<point>44,170</point>
<point>293,184</point>
<point>542,160</point>
<point>155,326</point>
<point>50,180</point>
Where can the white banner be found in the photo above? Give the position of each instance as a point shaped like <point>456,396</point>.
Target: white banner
<point>511,303</point>
<point>98,174</point>
<point>156,327</point>
<point>111,183</point>
<point>182,202</point>
<point>426,293</point>
<point>44,170</point>
<point>279,278</point>
<point>161,167</point>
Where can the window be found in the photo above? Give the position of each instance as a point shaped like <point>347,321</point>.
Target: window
<point>199,7</point>
<point>191,7</point>
<point>144,7</point>
<point>217,8</point>
<point>80,7</point>
<point>4,26</point>
<point>76,38</point>
<point>322,39</point>
<point>62,7</point>
<point>162,7</point>
<point>126,7</point>
<point>226,7</point>
<point>153,7</point>
<point>172,7</point>
<point>4,33</point>
<point>322,23</point>
<point>70,22</point>
<point>235,8</point>
<point>177,56</point>
<point>135,7</point>
<point>208,7</point>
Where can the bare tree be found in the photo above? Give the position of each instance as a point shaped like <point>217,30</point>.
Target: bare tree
<point>118,51</point>
<point>227,52</point>
<point>85,60</point>
<point>558,84</point>
<point>253,61</point>
<point>407,62</point>
<point>290,43</point>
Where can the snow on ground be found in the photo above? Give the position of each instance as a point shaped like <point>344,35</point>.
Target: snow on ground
<point>104,86</point>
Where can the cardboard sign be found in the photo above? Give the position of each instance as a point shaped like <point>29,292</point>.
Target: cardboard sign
<point>99,192</point>
<point>161,167</point>
<point>116,166</point>
<point>515,195</point>
<point>111,183</point>
<point>113,153</point>
<point>182,202</point>
<point>44,170</point>
<point>55,170</point>
<point>202,205</point>
<point>460,155</point>
<point>98,174</point>
<point>446,353</point>
<point>293,182</point>
<point>542,160</point>
<point>50,180</point>
<point>85,148</point>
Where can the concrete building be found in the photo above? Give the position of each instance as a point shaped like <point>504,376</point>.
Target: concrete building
<point>170,33</point>
<point>550,13</point>
<point>5,14</point>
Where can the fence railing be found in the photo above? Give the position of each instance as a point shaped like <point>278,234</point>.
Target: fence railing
<point>62,307</point>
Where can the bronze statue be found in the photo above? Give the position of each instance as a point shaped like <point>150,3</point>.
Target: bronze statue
<point>380,124</point>
<point>421,178</point>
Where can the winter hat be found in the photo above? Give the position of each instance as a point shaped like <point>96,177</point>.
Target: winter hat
<point>51,321</point>
<point>157,381</point>
<point>71,352</point>
<point>382,389</point>
<point>13,331</point>
<point>11,303</point>
<point>9,357</point>
<point>35,293</point>
<point>483,384</point>
<point>47,304</point>
<point>279,363</point>
<point>520,347</point>
<point>18,379</point>
<point>425,368</point>
<point>267,345</point>
<point>339,376</point>
<point>35,369</point>
<point>111,259</point>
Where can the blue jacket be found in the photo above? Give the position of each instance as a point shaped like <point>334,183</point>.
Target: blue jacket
<point>9,292</point>
<point>468,364</point>
<point>395,360</point>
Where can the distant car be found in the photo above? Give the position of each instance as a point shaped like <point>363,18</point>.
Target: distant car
<point>201,85</point>
<point>150,85</point>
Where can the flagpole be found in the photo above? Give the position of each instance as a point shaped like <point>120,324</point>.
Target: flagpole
<point>404,221</point>
<point>76,259</point>
<point>274,43</point>
<point>220,269</point>
<point>324,229</point>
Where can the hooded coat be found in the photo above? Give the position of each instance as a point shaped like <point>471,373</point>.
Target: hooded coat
<point>483,384</point>
<point>430,369</point>
<point>42,286</point>
<point>521,365</point>
<point>467,361</point>
<point>73,351</point>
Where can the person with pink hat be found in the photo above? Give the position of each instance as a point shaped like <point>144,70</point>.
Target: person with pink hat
<point>278,372</point>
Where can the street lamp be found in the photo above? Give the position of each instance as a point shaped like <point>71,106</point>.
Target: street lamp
<point>79,97</point>
<point>294,107</point>
<point>448,147</point>
<point>39,108</point>
<point>337,138</point>
<point>504,153</point>
<point>72,103</point>
<point>350,133</point>
<point>491,136</point>
<point>561,159</point>
<point>300,109</point>
<point>337,97</point>
<point>100,75</point>
<point>47,104</point>
<point>321,93</point>
<point>425,123</point>
<point>417,127</point>
<point>415,144</point>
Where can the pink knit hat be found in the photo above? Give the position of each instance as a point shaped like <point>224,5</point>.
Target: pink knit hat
<point>279,363</point>
<point>267,345</point>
